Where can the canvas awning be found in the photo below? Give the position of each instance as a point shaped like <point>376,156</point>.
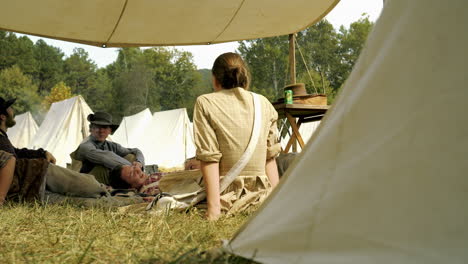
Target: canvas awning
<point>122,23</point>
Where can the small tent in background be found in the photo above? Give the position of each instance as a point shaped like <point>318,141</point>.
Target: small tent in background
<point>384,178</point>
<point>23,132</point>
<point>166,138</point>
<point>63,128</point>
<point>131,129</point>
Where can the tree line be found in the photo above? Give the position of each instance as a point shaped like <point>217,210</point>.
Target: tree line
<point>163,78</point>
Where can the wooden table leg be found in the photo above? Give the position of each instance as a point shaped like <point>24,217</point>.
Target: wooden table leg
<point>292,138</point>
<point>295,129</point>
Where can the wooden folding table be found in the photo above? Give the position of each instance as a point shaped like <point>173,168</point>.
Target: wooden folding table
<point>305,113</point>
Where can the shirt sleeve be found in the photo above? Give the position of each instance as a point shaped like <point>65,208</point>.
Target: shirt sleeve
<point>122,152</point>
<point>204,135</point>
<point>273,145</point>
<point>87,151</point>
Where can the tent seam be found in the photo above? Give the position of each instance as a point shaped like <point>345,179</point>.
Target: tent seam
<point>117,24</point>
<point>230,21</point>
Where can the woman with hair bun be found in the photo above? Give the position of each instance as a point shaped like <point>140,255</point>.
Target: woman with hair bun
<point>223,122</point>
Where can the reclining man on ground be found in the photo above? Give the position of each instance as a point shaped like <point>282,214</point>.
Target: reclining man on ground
<point>100,157</point>
<point>132,177</point>
<point>25,173</point>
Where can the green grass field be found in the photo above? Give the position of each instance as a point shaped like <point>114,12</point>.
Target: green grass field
<point>70,234</point>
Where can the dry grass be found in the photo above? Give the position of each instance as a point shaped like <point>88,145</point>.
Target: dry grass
<point>69,234</point>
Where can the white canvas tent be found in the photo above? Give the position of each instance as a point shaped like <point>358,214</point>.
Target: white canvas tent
<point>23,132</point>
<point>390,183</point>
<point>63,128</point>
<point>131,129</point>
<point>166,138</point>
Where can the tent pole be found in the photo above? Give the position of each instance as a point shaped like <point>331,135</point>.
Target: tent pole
<point>292,58</point>
<point>292,71</point>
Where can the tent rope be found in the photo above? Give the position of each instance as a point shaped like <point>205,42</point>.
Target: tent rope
<point>305,64</point>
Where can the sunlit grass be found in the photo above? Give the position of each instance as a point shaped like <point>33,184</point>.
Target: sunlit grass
<point>69,234</point>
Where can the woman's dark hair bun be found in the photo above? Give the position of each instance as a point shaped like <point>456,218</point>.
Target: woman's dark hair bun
<point>230,71</point>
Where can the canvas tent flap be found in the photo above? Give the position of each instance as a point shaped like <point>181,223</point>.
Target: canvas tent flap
<point>23,132</point>
<point>389,184</point>
<point>166,138</point>
<point>63,128</point>
<point>131,129</point>
<point>160,23</point>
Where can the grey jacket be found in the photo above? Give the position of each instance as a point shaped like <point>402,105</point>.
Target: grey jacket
<point>108,154</point>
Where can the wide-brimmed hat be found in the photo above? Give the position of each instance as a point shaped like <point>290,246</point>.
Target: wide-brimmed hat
<point>5,104</point>
<point>300,96</point>
<point>298,89</point>
<point>102,119</point>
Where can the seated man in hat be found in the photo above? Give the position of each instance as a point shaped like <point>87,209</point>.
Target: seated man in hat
<point>24,173</point>
<point>100,156</point>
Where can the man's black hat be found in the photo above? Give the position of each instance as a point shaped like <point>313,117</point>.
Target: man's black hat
<point>5,104</point>
<point>102,119</point>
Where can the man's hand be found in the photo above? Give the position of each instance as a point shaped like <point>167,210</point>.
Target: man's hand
<point>50,158</point>
<point>138,164</point>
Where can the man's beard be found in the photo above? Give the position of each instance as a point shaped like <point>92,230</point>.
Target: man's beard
<point>10,121</point>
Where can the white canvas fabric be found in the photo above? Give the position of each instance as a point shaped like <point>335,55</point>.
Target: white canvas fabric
<point>23,132</point>
<point>169,139</point>
<point>384,178</point>
<point>306,130</point>
<point>160,23</point>
<point>63,128</point>
<point>166,138</point>
<point>131,129</point>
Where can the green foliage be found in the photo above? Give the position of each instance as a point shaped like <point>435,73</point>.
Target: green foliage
<point>267,59</point>
<point>324,58</point>
<point>80,72</point>
<point>165,78</point>
<point>49,66</point>
<point>157,78</point>
<point>58,93</point>
<point>100,97</point>
<point>319,45</point>
<point>351,43</point>
<point>15,84</point>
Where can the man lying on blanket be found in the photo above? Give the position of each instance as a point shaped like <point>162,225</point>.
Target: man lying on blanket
<point>132,177</point>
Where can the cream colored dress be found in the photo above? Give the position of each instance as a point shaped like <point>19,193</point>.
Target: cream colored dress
<point>223,124</point>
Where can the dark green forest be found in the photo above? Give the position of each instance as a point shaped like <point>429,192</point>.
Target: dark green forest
<point>163,78</point>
